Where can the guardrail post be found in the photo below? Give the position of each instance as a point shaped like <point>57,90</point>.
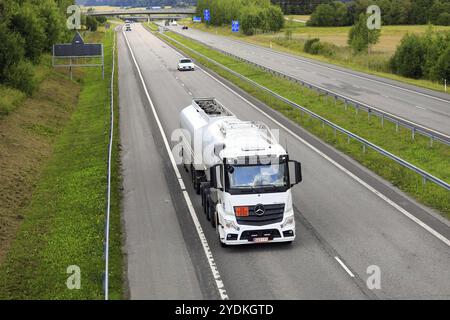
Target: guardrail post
<point>382,120</point>
<point>368,114</point>
<point>345,104</point>
<point>396,127</point>
<point>348,139</point>
<point>364,148</point>
<point>413,133</point>
<point>356,109</point>
<point>431,141</point>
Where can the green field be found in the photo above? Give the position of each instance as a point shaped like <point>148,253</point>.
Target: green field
<point>64,223</point>
<point>375,63</point>
<point>434,159</point>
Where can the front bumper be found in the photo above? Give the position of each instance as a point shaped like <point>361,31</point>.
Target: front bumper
<point>245,234</point>
<point>185,68</point>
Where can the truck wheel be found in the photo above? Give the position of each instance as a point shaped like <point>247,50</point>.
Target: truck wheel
<point>208,208</point>
<point>202,192</point>
<point>212,214</point>
<point>196,186</point>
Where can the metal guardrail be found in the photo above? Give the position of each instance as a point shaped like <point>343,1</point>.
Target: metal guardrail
<point>425,175</point>
<point>108,192</point>
<point>383,115</point>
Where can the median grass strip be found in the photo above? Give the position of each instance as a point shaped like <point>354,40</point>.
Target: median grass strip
<point>435,159</point>
<point>64,223</point>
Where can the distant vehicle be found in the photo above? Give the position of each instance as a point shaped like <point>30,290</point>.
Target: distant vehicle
<point>127,27</point>
<point>184,27</point>
<point>185,64</point>
<point>173,23</point>
<point>156,8</point>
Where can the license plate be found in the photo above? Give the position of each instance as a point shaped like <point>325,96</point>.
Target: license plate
<point>262,239</point>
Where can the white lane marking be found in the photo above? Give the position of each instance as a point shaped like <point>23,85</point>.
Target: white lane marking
<point>345,267</point>
<point>201,235</point>
<point>359,180</point>
<point>419,107</point>
<point>190,93</point>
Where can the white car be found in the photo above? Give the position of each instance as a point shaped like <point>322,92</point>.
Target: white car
<point>127,27</point>
<point>185,64</point>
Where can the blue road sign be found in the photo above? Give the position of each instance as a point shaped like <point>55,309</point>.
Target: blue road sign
<point>235,26</point>
<point>206,15</point>
<point>197,19</point>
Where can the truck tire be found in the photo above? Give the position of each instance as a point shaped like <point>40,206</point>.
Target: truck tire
<point>208,208</point>
<point>205,196</point>
<point>212,214</point>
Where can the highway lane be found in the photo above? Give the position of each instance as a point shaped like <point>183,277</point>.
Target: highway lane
<point>159,264</point>
<point>424,107</point>
<point>336,215</point>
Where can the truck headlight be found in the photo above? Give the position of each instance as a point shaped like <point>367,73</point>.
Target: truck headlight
<point>288,222</point>
<point>230,224</point>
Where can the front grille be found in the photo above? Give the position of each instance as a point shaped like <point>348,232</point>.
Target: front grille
<point>273,213</point>
<point>251,234</point>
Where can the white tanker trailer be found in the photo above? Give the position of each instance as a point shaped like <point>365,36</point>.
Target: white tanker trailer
<point>243,175</point>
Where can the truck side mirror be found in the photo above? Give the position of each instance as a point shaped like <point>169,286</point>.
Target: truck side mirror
<point>295,172</point>
<point>216,176</point>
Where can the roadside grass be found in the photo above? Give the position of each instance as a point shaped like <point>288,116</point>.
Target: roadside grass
<point>435,159</point>
<point>376,62</point>
<point>64,224</point>
<point>10,99</point>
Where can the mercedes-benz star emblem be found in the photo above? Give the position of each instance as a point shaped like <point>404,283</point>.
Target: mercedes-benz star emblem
<point>259,210</point>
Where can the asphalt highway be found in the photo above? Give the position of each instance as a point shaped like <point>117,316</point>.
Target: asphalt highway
<point>425,107</point>
<point>347,218</point>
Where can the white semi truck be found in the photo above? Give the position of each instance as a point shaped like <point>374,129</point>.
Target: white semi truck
<point>243,174</point>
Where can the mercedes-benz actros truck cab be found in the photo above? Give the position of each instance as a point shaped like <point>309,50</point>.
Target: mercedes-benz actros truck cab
<point>242,173</point>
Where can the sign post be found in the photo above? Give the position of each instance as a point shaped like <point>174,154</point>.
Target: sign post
<point>78,50</point>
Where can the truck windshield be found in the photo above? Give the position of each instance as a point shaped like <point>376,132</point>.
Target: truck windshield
<point>272,176</point>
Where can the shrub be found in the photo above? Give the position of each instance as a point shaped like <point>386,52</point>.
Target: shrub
<point>442,68</point>
<point>11,49</point>
<point>21,76</point>
<point>91,23</point>
<point>309,43</point>
<point>408,59</point>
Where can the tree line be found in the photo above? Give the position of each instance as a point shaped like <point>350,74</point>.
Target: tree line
<point>254,15</point>
<point>136,3</point>
<point>299,6</point>
<point>423,56</point>
<point>393,12</point>
<point>27,30</point>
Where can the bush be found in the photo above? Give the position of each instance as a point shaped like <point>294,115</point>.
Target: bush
<point>101,19</point>
<point>21,76</point>
<point>91,23</point>
<point>11,50</point>
<point>408,59</point>
<point>442,68</point>
<point>32,29</point>
<point>309,43</point>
